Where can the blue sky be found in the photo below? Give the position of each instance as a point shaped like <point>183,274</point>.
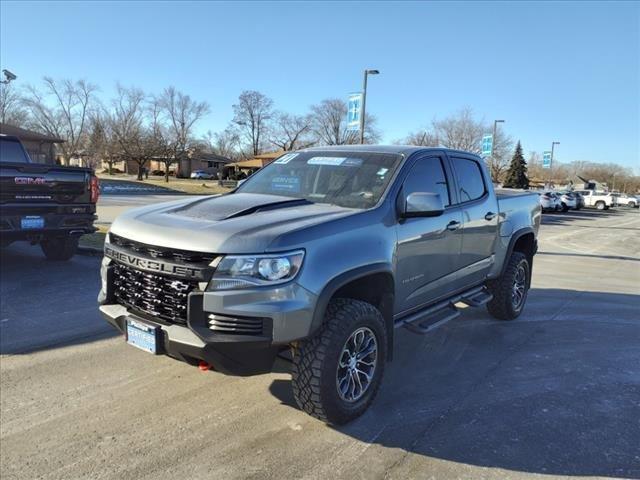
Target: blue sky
<point>565,71</point>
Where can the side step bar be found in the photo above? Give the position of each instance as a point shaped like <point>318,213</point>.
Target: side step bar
<point>443,312</point>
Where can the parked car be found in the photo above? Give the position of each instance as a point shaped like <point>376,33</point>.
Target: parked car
<point>44,204</point>
<point>567,200</point>
<point>322,253</point>
<point>627,200</point>
<point>599,200</point>
<point>550,202</point>
<point>579,200</point>
<point>202,175</point>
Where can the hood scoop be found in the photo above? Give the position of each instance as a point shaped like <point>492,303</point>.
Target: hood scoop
<point>235,205</point>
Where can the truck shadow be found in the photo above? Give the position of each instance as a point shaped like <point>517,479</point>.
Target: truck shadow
<point>554,392</point>
<point>46,305</point>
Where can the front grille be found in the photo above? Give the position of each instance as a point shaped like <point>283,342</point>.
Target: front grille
<point>235,325</point>
<point>162,252</point>
<point>157,295</point>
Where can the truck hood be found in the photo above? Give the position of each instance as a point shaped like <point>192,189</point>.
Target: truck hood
<point>233,223</point>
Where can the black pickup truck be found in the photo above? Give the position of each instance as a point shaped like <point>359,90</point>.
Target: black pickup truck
<point>44,204</point>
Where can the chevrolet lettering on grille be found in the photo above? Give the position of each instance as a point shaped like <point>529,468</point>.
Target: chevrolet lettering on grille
<point>154,265</point>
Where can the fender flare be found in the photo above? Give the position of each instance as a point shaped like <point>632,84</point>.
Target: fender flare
<point>340,281</point>
<point>512,243</point>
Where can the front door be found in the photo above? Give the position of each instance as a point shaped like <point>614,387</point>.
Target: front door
<point>428,247</point>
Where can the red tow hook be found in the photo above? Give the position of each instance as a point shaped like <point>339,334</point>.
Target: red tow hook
<point>204,366</point>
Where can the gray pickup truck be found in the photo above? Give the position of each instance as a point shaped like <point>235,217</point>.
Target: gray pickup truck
<point>321,256</point>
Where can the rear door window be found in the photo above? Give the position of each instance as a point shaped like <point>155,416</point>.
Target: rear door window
<point>427,176</point>
<point>11,151</point>
<point>470,179</point>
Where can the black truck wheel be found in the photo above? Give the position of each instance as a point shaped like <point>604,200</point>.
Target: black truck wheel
<point>336,373</point>
<point>59,248</point>
<point>511,289</point>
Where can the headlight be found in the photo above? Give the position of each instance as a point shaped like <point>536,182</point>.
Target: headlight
<point>245,271</point>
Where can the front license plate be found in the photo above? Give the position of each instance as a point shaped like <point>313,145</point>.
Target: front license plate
<point>143,336</point>
<point>31,222</point>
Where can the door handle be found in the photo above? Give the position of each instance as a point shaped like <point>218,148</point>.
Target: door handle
<point>490,216</point>
<point>453,225</point>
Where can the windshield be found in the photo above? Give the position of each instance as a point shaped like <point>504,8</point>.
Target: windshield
<point>11,151</point>
<point>353,179</point>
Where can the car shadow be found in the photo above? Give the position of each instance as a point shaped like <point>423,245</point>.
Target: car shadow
<point>560,218</point>
<point>554,392</point>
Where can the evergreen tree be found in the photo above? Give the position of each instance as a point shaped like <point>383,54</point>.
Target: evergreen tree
<point>516,176</point>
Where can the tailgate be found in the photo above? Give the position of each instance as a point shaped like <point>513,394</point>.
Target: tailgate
<point>34,183</point>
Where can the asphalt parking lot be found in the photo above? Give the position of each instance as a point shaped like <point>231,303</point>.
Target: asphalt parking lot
<point>556,392</point>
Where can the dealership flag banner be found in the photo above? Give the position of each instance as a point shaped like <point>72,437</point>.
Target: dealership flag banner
<point>354,111</point>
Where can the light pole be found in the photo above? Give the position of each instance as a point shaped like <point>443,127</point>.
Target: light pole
<point>364,101</point>
<point>553,144</point>
<point>493,146</point>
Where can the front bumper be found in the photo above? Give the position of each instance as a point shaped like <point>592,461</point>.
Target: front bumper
<point>285,311</point>
<point>237,356</point>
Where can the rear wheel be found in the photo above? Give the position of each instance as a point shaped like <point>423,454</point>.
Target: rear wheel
<point>511,289</point>
<point>565,207</point>
<point>59,248</point>
<point>600,205</point>
<point>336,374</point>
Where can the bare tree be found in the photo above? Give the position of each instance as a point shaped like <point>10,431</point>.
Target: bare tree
<point>226,143</point>
<point>329,124</point>
<point>291,132</point>
<point>460,131</point>
<point>62,111</point>
<point>136,139</point>
<point>421,138</point>
<point>12,109</point>
<point>252,114</point>
<point>181,113</point>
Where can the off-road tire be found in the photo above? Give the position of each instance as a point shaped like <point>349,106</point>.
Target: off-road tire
<point>315,362</point>
<point>59,249</point>
<point>601,205</point>
<point>502,307</point>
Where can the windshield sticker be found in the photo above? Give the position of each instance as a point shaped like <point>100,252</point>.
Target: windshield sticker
<point>285,184</point>
<point>352,162</point>
<point>286,158</point>
<point>334,161</point>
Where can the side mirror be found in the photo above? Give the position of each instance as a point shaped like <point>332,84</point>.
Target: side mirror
<point>421,204</point>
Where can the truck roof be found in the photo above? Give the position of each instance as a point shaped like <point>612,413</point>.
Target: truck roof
<point>399,149</point>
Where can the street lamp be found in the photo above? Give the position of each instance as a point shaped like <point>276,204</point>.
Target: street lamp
<point>553,144</point>
<point>364,101</point>
<point>9,76</point>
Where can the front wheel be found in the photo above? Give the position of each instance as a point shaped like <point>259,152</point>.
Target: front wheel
<point>59,248</point>
<point>601,205</point>
<point>511,289</point>
<point>336,374</point>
